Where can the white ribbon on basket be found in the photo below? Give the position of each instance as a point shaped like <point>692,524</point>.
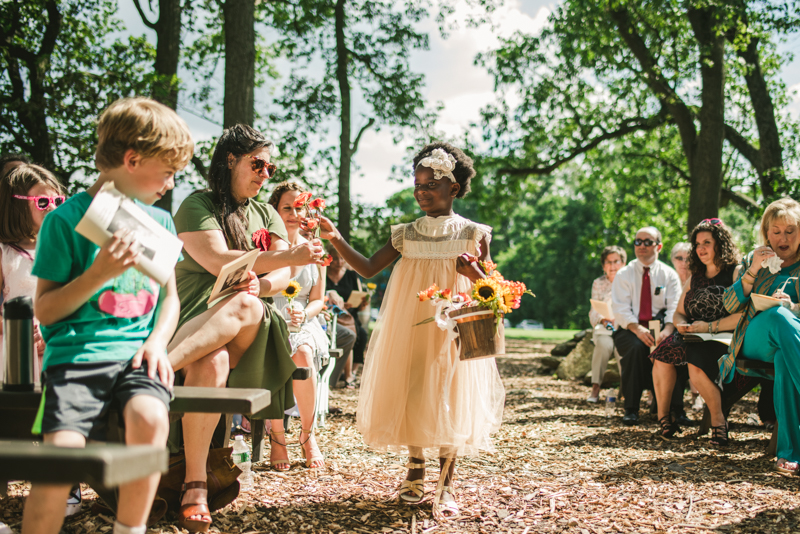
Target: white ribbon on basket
<point>447,323</point>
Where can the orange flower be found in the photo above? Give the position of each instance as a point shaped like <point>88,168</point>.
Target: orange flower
<point>326,260</point>
<point>312,223</point>
<point>317,204</point>
<point>446,294</point>
<point>301,200</point>
<point>432,290</point>
<point>423,296</point>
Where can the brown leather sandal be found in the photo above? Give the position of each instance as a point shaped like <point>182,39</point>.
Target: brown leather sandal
<point>188,510</point>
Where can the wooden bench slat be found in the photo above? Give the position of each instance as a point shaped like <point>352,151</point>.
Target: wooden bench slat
<point>99,465</point>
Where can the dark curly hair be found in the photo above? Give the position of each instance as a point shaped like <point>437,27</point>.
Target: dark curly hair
<point>464,171</point>
<point>726,253</point>
<point>237,141</point>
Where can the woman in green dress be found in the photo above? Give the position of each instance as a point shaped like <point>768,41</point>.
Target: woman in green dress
<point>242,340</point>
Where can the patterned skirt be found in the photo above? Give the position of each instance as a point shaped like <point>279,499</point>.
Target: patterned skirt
<point>705,355</point>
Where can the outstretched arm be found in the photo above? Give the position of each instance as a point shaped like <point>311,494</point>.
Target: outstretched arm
<point>366,267</point>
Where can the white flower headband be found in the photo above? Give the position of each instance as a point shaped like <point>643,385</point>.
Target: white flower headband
<point>442,164</point>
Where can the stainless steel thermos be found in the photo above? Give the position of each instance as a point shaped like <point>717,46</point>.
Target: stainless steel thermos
<point>18,344</point>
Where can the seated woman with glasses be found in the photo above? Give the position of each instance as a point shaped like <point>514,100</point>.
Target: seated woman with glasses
<point>712,261</point>
<point>612,259</point>
<point>680,260</point>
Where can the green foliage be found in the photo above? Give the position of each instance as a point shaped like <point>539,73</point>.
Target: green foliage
<point>61,66</point>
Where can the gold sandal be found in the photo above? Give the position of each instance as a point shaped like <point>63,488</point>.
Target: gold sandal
<point>276,463</point>
<point>412,491</point>
<point>444,508</point>
<point>314,457</point>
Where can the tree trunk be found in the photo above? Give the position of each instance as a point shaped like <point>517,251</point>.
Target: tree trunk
<point>168,53</point>
<point>345,150</point>
<point>240,62</point>
<point>705,165</point>
<point>771,172</point>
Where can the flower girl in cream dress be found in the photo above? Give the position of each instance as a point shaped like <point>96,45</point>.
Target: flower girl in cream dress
<point>416,396</point>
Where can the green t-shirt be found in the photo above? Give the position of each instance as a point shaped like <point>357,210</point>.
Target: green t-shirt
<point>114,323</point>
<point>198,213</point>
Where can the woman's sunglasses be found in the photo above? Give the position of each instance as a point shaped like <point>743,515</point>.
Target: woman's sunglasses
<point>43,202</point>
<point>258,164</point>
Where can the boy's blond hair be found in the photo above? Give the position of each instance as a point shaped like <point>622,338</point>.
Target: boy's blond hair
<point>151,129</point>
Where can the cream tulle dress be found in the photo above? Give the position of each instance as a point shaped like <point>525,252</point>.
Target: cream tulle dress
<point>415,393</point>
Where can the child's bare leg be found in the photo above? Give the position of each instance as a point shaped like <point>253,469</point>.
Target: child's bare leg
<point>146,423</point>
<point>416,456</point>
<point>46,503</point>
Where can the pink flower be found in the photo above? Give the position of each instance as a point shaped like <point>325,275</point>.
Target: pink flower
<point>312,224</point>
<point>301,200</point>
<point>317,204</point>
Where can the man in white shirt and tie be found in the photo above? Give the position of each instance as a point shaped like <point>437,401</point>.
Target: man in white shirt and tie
<point>643,290</point>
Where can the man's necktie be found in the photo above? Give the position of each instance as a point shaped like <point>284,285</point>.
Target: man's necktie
<point>645,300</point>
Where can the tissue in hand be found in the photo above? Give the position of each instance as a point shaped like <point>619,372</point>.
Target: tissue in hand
<point>773,263</point>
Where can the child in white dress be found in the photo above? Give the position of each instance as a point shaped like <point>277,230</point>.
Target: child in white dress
<point>416,395</point>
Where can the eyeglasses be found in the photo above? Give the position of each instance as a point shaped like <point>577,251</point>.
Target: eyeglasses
<point>43,202</point>
<point>646,242</point>
<point>259,164</point>
<point>612,262</point>
<point>713,222</point>
<point>680,258</point>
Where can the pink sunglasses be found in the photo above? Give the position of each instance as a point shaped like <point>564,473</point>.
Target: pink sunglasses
<point>44,202</point>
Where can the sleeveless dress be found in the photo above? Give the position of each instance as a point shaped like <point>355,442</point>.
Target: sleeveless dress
<point>703,302</point>
<point>415,392</point>
<point>311,332</point>
<point>18,282</point>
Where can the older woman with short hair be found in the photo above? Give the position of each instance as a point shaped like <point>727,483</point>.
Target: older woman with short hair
<point>612,260</point>
<point>772,335</point>
<point>680,260</point>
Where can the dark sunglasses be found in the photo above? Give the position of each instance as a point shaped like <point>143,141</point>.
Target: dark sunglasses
<point>258,164</point>
<point>646,242</point>
<point>43,202</point>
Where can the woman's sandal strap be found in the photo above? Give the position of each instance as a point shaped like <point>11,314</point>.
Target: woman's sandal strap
<point>417,487</point>
<point>197,484</point>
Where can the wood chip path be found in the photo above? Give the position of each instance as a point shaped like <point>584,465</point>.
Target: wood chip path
<point>560,466</point>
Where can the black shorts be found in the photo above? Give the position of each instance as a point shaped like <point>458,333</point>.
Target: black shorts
<point>78,396</point>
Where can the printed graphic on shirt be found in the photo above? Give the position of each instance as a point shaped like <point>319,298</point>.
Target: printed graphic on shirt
<point>132,294</point>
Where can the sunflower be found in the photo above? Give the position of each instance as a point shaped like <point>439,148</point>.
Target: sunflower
<point>292,290</point>
<point>486,290</point>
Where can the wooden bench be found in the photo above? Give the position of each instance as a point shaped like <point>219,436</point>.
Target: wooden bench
<point>103,466</point>
<point>731,396</point>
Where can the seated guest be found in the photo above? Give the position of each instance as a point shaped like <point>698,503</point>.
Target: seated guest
<point>309,344</point>
<point>712,260</point>
<point>343,280</point>
<point>680,260</point>
<point>772,335</point>
<point>243,340</point>
<point>612,259</point>
<point>642,290</point>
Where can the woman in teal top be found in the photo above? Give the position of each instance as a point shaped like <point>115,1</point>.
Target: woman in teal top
<point>772,335</point>
<point>243,340</point>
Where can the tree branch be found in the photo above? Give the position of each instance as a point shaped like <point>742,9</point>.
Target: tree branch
<point>739,199</point>
<point>629,126</point>
<point>151,25</point>
<point>363,129</point>
<point>664,162</point>
<point>51,31</point>
<point>744,147</point>
<point>200,166</point>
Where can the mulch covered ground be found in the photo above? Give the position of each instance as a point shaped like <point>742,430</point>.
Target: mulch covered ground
<point>560,466</point>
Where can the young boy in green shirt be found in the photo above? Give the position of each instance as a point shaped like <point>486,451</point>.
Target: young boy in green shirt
<point>107,325</point>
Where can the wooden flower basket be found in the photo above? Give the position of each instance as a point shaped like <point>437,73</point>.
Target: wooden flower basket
<point>479,334</point>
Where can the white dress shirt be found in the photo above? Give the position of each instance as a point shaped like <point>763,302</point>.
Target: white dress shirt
<point>627,289</point>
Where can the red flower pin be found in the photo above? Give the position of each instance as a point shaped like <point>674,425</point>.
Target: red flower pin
<point>262,240</point>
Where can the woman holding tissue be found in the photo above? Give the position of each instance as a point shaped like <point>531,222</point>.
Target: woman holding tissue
<point>612,259</point>
<point>772,335</point>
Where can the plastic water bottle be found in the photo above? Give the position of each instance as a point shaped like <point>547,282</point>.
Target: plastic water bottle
<point>611,405</point>
<point>241,457</point>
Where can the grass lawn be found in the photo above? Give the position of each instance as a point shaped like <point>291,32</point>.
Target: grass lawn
<point>553,334</point>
